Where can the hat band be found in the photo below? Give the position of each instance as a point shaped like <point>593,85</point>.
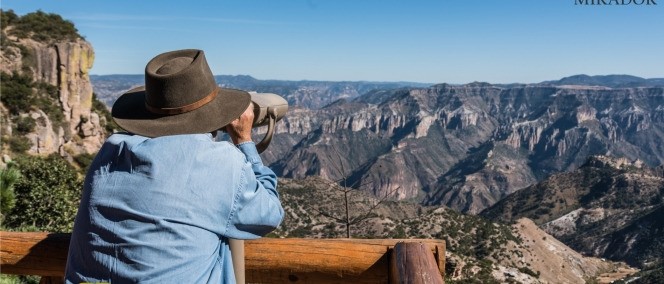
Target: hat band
<point>183,109</point>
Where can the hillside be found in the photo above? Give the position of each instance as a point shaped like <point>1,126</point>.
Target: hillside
<point>608,208</point>
<point>468,146</point>
<point>477,249</point>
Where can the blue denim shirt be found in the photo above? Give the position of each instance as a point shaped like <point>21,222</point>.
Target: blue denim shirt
<point>161,210</point>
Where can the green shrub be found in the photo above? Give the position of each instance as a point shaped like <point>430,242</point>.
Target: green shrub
<point>28,59</point>
<point>47,196</point>
<point>8,178</point>
<point>100,108</point>
<point>20,94</point>
<point>529,271</point>
<point>48,100</point>
<point>19,279</point>
<point>25,125</point>
<point>17,144</point>
<point>7,18</point>
<point>84,161</point>
<point>44,27</point>
<point>17,93</point>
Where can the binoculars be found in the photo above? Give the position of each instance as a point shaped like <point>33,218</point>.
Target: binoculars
<point>268,109</point>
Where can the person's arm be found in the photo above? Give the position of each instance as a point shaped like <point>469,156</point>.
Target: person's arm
<point>257,209</point>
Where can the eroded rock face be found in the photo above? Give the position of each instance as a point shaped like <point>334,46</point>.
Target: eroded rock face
<point>610,207</point>
<point>45,140</point>
<point>64,65</point>
<point>468,146</point>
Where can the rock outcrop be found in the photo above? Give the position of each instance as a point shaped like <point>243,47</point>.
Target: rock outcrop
<point>65,65</point>
<point>610,207</point>
<point>467,146</point>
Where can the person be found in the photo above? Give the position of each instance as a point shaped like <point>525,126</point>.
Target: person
<point>161,201</point>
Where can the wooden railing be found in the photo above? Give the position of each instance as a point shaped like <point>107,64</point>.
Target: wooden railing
<point>267,260</point>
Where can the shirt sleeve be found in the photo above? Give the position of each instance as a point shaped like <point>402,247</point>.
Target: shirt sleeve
<point>257,209</point>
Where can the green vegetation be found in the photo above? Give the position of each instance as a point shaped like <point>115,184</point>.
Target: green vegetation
<point>104,115</point>
<point>648,276</point>
<point>17,93</point>
<point>17,144</point>
<point>651,276</point>
<point>7,18</point>
<point>84,161</point>
<point>24,125</point>
<point>479,243</point>
<point>39,26</point>
<point>21,95</point>
<point>8,178</point>
<point>19,279</point>
<point>529,271</point>
<point>46,195</point>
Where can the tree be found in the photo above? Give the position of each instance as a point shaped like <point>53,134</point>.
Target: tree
<point>17,93</point>
<point>47,196</point>
<point>8,178</point>
<point>349,219</point>
<point>43,27</point>
<point>7,18</point>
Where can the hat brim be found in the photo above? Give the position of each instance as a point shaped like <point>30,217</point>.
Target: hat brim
<point>130,113</point>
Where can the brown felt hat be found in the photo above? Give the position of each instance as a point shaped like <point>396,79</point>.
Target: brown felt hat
<point>180,96</point>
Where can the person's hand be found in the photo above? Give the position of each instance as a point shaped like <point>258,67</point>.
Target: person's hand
<point>240,129</point>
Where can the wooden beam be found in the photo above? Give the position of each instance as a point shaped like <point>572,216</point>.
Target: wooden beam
<point>42,253</point>
<point>323,260</point>
<point>266,259</point>
<point>415,264</point>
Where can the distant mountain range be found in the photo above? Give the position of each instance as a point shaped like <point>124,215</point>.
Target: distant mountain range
<point>611,81</point>
<point>309,94</point>
<point>464,146</point>
<point>315,94</point>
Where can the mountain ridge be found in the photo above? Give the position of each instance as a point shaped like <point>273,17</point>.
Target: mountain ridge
<point>472,144</point>
<point>612,81</point>
<point>499,139</point>
<point>609,207</point>
<point>305,93</point>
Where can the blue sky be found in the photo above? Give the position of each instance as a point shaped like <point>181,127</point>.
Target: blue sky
<point>452,41</point>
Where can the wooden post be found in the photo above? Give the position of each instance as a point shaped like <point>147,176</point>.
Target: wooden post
<point>237,254</point>
<point>413,263</point>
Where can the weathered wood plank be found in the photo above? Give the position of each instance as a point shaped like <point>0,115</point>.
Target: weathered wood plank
<point>315,261</point>
<point>415,264</point>
<point>323,260</point>
<point>40,253</point>
<point>266,260</point>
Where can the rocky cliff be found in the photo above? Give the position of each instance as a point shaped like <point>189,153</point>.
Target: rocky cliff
<point>467,146</point>
<point>610,207</point>
<point>63,64</point>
